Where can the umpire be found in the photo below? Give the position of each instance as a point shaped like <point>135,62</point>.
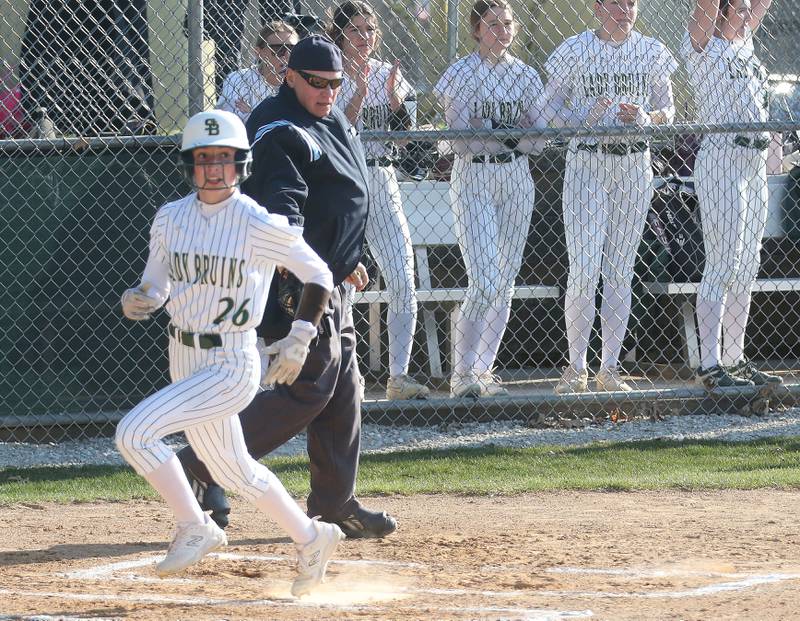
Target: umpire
<point>308,164</point>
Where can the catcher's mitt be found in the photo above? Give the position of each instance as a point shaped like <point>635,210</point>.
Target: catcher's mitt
<point>289,291</point>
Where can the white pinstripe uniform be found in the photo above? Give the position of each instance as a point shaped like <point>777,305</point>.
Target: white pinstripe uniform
<point>731,181</point>
<point>606,195</point>
<point>248,85</point>
<point>215,264</point>
<point>387,232</point>
<point>492,202</point>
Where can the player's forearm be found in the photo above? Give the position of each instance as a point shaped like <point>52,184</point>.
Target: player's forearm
<point>758,12</point>
<point>312,304</point>
<point>353,108</point>
<point>702,23</point>
<point>662,103</point>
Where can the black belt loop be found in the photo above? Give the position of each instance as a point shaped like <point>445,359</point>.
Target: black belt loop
<point>496,158</point>
<point>760,144</point>
<point>615,148</point>
<point>204,341</point>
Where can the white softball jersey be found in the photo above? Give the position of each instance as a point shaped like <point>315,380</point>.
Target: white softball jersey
<point>375,111</point>
<point>590,68</point>
<point>249,86</point>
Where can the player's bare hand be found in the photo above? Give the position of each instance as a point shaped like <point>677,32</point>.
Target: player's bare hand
<point>362,79</point>
<point>598,110</point>
<point>288,355</point>
<point>137,305</point>
<point>242,106</point>
<point>392,83</point>
<point>359,278</point>
<point>630,114</point>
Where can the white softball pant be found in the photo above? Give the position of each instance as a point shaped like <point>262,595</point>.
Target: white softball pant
<point>389,239</point>
<point>209,388</point>
<point>605,201</point>
<point>492,205</point>
<point>732,191</point>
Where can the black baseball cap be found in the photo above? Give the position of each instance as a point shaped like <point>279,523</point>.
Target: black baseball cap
<point>316,53</point>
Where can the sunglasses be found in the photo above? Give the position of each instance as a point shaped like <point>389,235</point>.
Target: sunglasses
<point>320,82</point>
<point>280,49</point>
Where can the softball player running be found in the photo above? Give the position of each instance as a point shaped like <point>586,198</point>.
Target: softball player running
<point>372,98</point>
<point>609,76</point>
<point>491,188</point>
<point>212,254</point>
<point>731,181</point>
<point>244,89</point>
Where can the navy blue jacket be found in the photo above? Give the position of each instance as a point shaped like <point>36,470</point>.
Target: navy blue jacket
<point>313,171</point>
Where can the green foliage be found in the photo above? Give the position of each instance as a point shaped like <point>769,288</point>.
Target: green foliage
<point>601,466</point>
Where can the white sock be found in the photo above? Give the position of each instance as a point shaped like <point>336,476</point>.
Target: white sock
<point>170,482</point>
<point>578,317</point>
<point>400,327</point>
<point>282,508</point>
<point>709,327</point>
<point>496,321</point>
<point>615,311</point>
<point>734,325</point>
<point>467,337</point>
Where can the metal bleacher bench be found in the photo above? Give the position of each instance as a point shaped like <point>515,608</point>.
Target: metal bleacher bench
<point>430,220</point>
<point>774,228</point>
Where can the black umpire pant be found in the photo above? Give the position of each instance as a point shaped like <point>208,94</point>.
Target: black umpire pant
<point>325,400</point>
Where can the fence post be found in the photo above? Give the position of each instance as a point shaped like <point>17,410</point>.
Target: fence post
<point>452,30</point>
<point>194,15</point>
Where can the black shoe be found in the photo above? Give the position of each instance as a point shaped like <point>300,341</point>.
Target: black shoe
<point>747,370</point>
<point>365,524</point>
<point>211,498</point>
<point>718,377</point>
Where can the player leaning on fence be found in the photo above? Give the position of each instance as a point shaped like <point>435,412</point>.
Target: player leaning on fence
<point>491,188</point>
<point>212,256</point>
<point>730,172</point>
<point>609,76</point>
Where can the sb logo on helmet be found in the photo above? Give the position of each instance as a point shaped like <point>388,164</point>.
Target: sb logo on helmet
<point>212,127</point>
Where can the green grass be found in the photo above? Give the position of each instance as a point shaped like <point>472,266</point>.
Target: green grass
<point>624,466</point>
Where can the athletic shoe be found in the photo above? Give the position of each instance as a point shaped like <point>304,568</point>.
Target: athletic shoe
<point>191,543</point>
<point>610,380</point>
<point>211,497</point>
<point>465,385</point>
<point>313,557</point>
<point>746,370</point>
<point>572,380</point>
<point>365,524</point>
<point>490,385</point>
<point>403,387</point>
<point>718,377</point>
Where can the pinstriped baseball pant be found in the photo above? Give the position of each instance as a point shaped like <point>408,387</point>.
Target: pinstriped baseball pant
<point>209,388</point>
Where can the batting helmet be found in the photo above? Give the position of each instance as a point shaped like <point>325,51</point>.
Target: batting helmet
<point>216,128</point>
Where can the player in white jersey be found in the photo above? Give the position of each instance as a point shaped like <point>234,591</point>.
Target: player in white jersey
<point>491,188</point>
<point>610,76</point>
<point>244,89</point>
<point>730,172</point>
<point>212,257</point>
<point>372,97</point>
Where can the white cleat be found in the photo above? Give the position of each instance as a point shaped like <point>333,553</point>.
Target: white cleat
<point>610,380</point>
<point>313,557</point>
<point>191,543</point>
<point>491,386</point>
<point>401,387</point>
<point>465,385</point>
<point>572,380</point>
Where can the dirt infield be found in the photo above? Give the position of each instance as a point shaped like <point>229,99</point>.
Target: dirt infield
<point>673,555</point>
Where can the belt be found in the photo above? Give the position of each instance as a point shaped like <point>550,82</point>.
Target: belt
<point>751,143</point>
<point>497,158</point>
<point>381,161</point>
<point>204,341</point>
<point>614,148</point>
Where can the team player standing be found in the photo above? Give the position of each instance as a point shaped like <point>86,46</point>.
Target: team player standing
<point>212,257</point>
<point>610,76</point>
<point>729,84</point>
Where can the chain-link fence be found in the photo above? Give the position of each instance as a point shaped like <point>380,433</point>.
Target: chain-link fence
<point>601,211</point>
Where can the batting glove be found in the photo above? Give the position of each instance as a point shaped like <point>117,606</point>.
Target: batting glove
<point>289,353</point>
<point>137,305</point>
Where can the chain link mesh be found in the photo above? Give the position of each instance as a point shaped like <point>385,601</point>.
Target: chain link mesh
<point>94,94</point>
